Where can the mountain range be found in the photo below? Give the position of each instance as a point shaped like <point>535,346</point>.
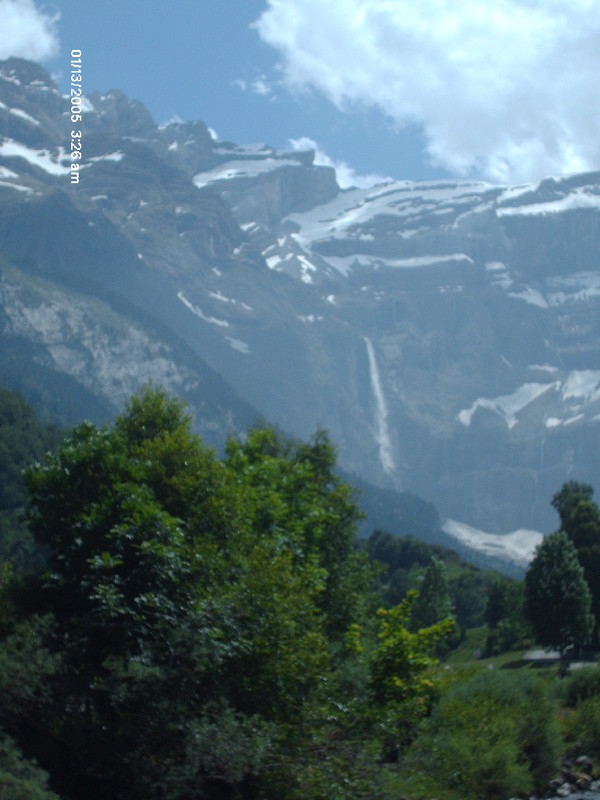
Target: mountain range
<point>445,333</point>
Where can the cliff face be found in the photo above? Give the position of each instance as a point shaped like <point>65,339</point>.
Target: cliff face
<point>447,334</point>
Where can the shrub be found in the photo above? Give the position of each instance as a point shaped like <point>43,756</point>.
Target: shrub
<point>582,728</point>
<point>492,735</point>
<point>581,685</point>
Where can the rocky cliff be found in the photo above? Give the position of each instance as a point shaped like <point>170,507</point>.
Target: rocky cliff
<point>447,333</point>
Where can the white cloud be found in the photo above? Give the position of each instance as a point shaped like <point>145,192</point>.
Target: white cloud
<point>345,175</point>
<point>503,88</point>
<point>260,85</point>
<point>26,31</point>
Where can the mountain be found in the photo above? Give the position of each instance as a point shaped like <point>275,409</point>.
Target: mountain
<point>445,333</point>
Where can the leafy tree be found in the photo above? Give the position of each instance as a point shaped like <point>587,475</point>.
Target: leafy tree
<point>557,598</point>
<point>402,661</point>
<point>192,612</point>
<point>504,617</point>
<point>495,610</point>
<point>21,779</point>
<point>433,603</point>
<point>580,520</point>
<point>566,501</point>
<point>296,497</point>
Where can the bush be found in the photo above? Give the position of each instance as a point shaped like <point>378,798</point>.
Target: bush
<point>582,728</point>
<point>492,735</point>
<point>581,685</point>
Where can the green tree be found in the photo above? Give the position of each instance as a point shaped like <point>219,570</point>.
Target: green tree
<point>433,603</point>
<point>504,617</point>
<point>580,520</point>
<point>557,598</point>
<point>566,500</point>
<point>294,496</point>
<point>191,612</point>
<point>21,779</point>
<point>401,670</point>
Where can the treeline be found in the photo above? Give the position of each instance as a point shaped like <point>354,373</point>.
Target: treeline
<point>208,627</point>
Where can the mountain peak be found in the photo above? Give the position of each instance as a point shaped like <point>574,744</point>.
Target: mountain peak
<point>445,332</point>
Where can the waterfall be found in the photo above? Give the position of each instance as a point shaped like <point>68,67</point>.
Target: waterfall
<point>381,429</point>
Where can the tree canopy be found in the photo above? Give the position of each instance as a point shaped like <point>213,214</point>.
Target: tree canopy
<point>557,598</point>
<point>192,630</point>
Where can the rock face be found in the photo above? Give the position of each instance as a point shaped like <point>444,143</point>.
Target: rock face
<point>447,334</point>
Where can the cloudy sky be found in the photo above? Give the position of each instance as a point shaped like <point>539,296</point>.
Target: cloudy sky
<point>504,90</point>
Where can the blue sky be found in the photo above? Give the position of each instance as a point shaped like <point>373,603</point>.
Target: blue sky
<point>505,90</point>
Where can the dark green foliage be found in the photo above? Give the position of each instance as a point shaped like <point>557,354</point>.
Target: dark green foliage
<point>557,598</point>
<point>492,735</point>
<point>580,685</point>
<point>21,779</point>
<point>207,628</point>
<point>582,728</point>
<point>566,501</point>
<point>580,520</point>
<point>404,559</point>
<point>433,603</point>
<point>581,693</point>
<point>192,614</point>
<point>505,617</point>
<point>22,440</point>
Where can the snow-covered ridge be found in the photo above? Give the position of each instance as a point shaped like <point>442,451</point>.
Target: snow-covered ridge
<point>570,399</point>
<point>579,198</point>
<point>242,168</point>
<point>38,158</point>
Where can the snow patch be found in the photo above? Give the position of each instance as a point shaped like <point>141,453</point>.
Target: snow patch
<point>16,186</point>
<point>199,313</point>
<point>307,267</point>
<point>577,288</point>
<point>508,406</point>
<point>116,156</point>
<point>18,112</point>
<point>242,168</point>
<point>38,158</point>
<point>273,261</point>
<point>576,200</point>
<point>582,385</point>
<point>531,296</point>
<point>239,345</point>
<point>518,546</point>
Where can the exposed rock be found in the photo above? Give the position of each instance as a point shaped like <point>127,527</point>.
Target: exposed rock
<point>446,333</point>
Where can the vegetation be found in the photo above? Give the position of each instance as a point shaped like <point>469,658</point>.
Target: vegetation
<point>22,440</point>
<point>557,598</point>
<point>198,626</point>
<point>580,521</point>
